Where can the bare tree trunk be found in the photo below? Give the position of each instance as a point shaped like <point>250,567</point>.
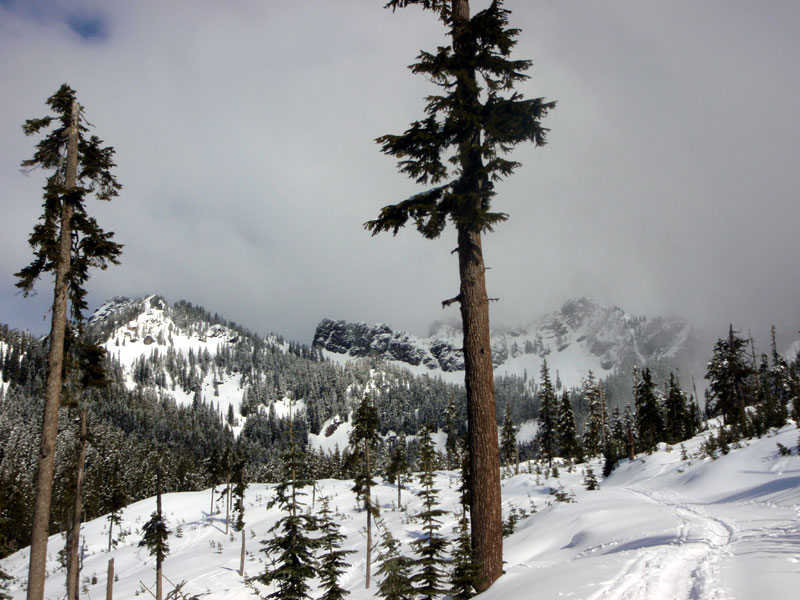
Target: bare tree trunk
<point>159,568</point>
<point>110,580</point>
<point>74,534</point>
<point>241,557</point>
<point>631,444</point>
<point>110,530</point>
<point>485,502</point>
<point>228,506</point>
<point>399,487</point>
<point>40,529</point>
<point>369,516</point>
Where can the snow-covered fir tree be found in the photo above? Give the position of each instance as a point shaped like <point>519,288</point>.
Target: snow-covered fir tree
<point>332,564</point>
<point>290,551</point>
<point>728,377</point>
<point>548,418</point>
<point>429,548</point>
<point>650,424</point>
<point>364,440</point>
<point>508,439</point>
<point>594,434</point>
<point>567,435</point>
<point>394,570</point>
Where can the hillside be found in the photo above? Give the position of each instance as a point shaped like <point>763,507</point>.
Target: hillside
<point>660,528</point>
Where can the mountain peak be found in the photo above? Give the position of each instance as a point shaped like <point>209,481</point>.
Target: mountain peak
<point>582,335</point>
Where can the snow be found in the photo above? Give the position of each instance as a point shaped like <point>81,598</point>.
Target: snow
<point>335,432</point>
<point>660,528</point>
<point>3,385</point>
<point>527,431</point>
<point>793,351</point>
<point>141,337</point>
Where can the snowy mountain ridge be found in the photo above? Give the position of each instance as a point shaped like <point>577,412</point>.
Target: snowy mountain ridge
<point>133,329</point>
<point>581,336</point>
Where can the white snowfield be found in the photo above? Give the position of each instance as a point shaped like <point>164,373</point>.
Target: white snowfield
<point>660,528</point>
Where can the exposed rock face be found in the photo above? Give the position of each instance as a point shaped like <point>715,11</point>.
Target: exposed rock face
<point>582,335</point>
<point>360,339</point>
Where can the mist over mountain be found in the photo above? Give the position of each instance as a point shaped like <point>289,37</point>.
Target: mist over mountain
<point>579,337</point>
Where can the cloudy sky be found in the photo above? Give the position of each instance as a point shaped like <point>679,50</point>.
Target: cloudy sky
<point>244,135</point>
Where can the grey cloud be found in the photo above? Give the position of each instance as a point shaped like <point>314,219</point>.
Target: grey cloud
<point>244,136</point>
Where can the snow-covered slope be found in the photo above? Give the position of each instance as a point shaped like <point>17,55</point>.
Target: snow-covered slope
<point>660,528</point>
<point>580,337</point>
<point>137,328</point>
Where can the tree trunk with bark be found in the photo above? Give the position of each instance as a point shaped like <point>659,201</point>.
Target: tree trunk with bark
<point>241,556</point>
<point>74,533</point>
<point>40,530</point>
<point>110,580</point>
<point>159,560</point>
<point>485,501</point>
<point>369,516</point>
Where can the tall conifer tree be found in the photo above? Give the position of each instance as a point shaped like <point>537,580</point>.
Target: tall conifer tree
<point>394,570</point>
<point>567,436</point>
<point>728,374</point>
<point>66,242</point>
<point>364,438</point>
<point>594,435</point>
<point>675,412</point>
<point>332,563</point>
<point>508,438</point>
<point>548,418</point>
<point>648,414</point>
<point>398,467</point>
<point>291,548</point>
<point>458,148</point>
<point>155,535</point>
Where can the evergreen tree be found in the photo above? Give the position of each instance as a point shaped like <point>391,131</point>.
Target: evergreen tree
<point>332,563</point>
<point>239,480</point>
<point>480,118</point>
<point>650,424</point>
<point>451,429</point>
<point>589,478</point>
<point>629,421</point>
<point>728,375</point>
<point>116,497</point>
<point>567,437</point>
<point>676,411</point>
<point>508,439</point>
<point>594,435</point>
<point>5,578</point>
<point>398,466</point>
<point>430,547</point>
<point>548,418</point>
<point>364,438</point>
<point>291,546</point>
<point>66,242</point>
<point>770,399</point>
<point>155,535</point>
<point>394,570</point>
<point>214,469</point>
<point>464,574</point>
